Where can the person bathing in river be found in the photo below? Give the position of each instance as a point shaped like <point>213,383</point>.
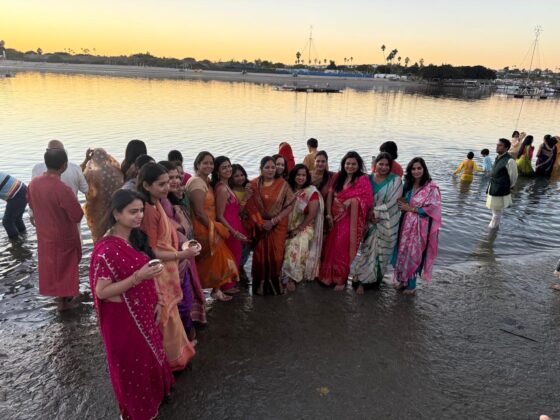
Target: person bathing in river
<point>467,167</point>
<point>486,161</point>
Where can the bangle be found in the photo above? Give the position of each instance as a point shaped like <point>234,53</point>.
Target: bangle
<point>176,255</point>
<point>135,278</point>
<point>160,304</point>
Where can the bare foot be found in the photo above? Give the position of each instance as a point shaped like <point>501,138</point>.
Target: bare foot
<point>399,287</point>
<point>291,286</point>
<point>360,290</point>
<point>409,292</point>
<point>556,287</point>
<point>219,295</point>
<point>232,291</point>
<point>339,288</point>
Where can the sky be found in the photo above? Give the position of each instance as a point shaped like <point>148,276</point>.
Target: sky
<point>493,33</point>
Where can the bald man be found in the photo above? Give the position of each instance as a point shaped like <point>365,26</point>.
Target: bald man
<point>72,176</point>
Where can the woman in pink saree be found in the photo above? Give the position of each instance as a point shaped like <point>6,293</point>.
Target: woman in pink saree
<point>128,309</point>
<point>348,204</point>
<point>417,245</point>
<point>228,208</point>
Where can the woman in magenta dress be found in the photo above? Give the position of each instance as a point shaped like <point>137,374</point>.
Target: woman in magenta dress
<point>228,208</point>
<point>348,204</point>
<point>128,310</point>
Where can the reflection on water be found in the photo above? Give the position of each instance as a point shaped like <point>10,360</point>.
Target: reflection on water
<point>246,121</point>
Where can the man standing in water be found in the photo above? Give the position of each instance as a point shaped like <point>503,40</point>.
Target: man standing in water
<point>502,179</point>
<point>309,160</point>
<point>57,211</point>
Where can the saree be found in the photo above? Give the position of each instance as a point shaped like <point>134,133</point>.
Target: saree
<point>417,245</point>
<point>266,203</point>
<point>163,238</point>
<point>342,242</point>
<point>380,239</point>
<point>555,175</point>
<point>524,166</point>
<point>216,266</point>
<point>103,175</point>
<point>287,153</point>
<point>545,160</point>
<point>139,372</point>
<point>323,187</point>
<point>232,214</point>
<point>302,253</point>
<point>191,307</point>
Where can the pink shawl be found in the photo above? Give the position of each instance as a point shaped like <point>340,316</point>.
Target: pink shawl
<point>418,239</point>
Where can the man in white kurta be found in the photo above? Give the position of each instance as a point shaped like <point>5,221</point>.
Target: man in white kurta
<point>503,178</point>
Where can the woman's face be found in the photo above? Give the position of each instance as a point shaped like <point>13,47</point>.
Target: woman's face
<point>269,170</point>
<point>206,166</point>
<point>321,163</point>
<point>160,187</point>
<point>417,171</point>
<point>224,171</point>
<point>280,166</point>
<point>301,178</point>
<point>351,166</point>
<point>238,178</point>
<point>131,216</point>
<point>180,171</point>
<point>382,167</point>
<point>174,180</point>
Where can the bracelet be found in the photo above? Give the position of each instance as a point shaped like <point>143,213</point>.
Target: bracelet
<point>135,278</point>
<point>160,304</point>
<point>176,255</point>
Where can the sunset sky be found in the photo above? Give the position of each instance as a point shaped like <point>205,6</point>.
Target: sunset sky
<point>494,33</point>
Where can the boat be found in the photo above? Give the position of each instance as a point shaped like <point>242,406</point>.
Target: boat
<point>307,89</point>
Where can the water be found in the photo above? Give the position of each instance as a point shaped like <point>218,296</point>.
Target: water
<point>245,122</point>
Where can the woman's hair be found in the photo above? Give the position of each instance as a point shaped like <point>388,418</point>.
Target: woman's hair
<point>134,148</point>
<point>149,174</point>
<point>409,179</point>
<point>339,184</point>
<point>528,141</point>
<point>175,156</point>
<point>293,174</point>
<point>549,140</point>
<point>515,134</point>
<point>119,201</point>
<point>216,172</point>
<point>384,155</point>
<point>327,174</point>
<point>470,155</point>
<point>235,168</point>
<point>391,148</point>
<point>265,160</point>
<point>170,166</point>
<point>142,160</point>
<point>286,172</point>
<point>200,157</point>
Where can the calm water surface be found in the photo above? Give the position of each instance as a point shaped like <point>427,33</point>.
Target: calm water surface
<point>52,368</point>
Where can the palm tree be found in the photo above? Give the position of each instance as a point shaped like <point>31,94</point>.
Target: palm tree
<point>325,61</point>
<point>298,56</point>
<point>351,60</point>
<point>399,58</point>
<point>345,60</point>
<point>406,61</point>
<point>383,51</point>
<point>421,61</point>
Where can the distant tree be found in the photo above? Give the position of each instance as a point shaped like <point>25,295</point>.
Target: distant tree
<point>39,51</point>
<point>325,61</point>
<point>351,60</point>
<point>399,59</point>
<point>332,65</point>
<point>406,61</point>
<point>298,56</point>
<point>383,47</point>
<point>421,62</point>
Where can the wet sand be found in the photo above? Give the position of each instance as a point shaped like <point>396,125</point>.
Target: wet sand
<point>170,73</point>
<point>314,353</point>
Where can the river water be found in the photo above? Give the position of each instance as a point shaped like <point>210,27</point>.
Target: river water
<point>245,122</point>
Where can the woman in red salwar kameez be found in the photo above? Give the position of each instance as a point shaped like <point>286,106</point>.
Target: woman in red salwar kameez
<point>128,309</point>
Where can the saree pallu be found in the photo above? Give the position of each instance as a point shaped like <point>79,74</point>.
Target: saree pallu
<point>417,246</point>
<point>380,239</point>
<point>162,237</point>
<point>555,175</point>
<point>342,242</point>
<point>215,263</point>
<point>524,166</point>
<point>326,187</point>
<point>191,307</point>
<point>302,254</point>
<point>103,175</point>
<point>140,374</point>
<point>268,251</point>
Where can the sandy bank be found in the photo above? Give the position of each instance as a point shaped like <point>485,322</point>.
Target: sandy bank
<point>169,73</point>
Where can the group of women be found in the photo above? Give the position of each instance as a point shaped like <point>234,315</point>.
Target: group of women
<point>548,155</point>
<point>162,236</point>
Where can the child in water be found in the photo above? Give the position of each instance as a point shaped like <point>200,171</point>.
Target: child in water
<point>467,166</point>
<point>486,161</point>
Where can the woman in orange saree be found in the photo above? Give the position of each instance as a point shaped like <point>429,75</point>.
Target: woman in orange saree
<point>348,204</point>
<point>268,209</point>
<point>153,183</point>
<point>216,265</point>
<point>285,150</point>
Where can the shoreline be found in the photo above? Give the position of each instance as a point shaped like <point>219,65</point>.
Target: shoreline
<point>206,75</point>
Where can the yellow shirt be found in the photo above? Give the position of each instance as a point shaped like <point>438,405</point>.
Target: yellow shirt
<point>467,166</point>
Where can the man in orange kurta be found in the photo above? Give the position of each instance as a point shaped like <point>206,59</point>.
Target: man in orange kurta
<point>56,211</point>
